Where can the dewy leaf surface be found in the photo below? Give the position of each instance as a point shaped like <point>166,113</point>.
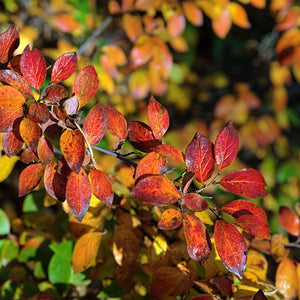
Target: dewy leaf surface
<point>231,247</point>
<point>197,238</point>
<point>226,146</point>
<point>85,251</point>
<point>78,194</point>
<point>170,219</point>
<point>9,42</point>
<point>95,124</point>
<point>158,118</point>
<point>289,220</point>
<point>30,178</point>
<point>156,190</point>
<point>245,182</point>
<point>72,146</point>
<point>101,187</point>
<point>33,67</point>
<point>64,67</point>
<point>199,158</point>
<point>10,98</point>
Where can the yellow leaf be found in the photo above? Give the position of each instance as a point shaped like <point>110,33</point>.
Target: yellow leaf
<point>222,24</point>
<point>205,217</point>
<point>85,251</point>
<point>106,83</point>
<point>257,264</point>
<point>6,166</point>
<point>238,15</point>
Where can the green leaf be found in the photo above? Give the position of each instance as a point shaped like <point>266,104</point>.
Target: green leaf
<point>39,270</point>
<point>112,291</point>
<point>63,249</point>
<point>30,289</point>
<point>4,223</point>
<point>79,279</point>
<point>29,252</point>
<point>33,202</point>
<point>9,252</point>
<point>287,170</point>
<point>59,269</point>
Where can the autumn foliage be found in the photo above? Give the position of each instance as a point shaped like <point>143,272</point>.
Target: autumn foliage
<point>151,220</point>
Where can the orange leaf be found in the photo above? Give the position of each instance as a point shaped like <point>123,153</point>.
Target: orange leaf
<point>195,202</point>
<point>10,98</point>
<point>259,3</point>
<point>222,24</point>
<point>33,67</point>
<point>28,156</point>
<point>30,132</point>
<point>12,143</point>
<point>95,124</point>
<point>101,187</point>
<point>139,84</point>
<point>8,117</point>
<point>116,123</point>
<point>72,146</point>
<point>176,24</point>
<point>170,152</point>
<point>78,194</point>
<point>30,178</point>
<point>38,112</point>
<point>9,42</point>
<point>45,150</point>
<point>132,26</point>
<point>142,50</point>
<point>85,251</point>
<point>85,85</point>
<point>238,15</point>
<point>231,247</point>
<point>289,220</point>
<point>156,190</point>
<point>170,219</point>
<point>66,22</point>
<point>64,67</point>
<point>115,53</point>
<point>197,238</point>
<point>192,13</point>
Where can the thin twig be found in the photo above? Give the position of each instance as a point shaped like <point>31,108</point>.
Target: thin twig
<point>95,34</point>
<point>117,155</point>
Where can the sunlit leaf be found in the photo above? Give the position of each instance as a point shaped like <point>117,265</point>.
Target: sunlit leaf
<point>66,22</point>
<point>231,247</point>
<point>199,157</point>
<point>85,85</point>
<point>194,202</point>
<point>101,187</point>
<point>139,84</point>
<point>142,50</point>
<point>33,67</point>
<point>132,25</point>
<point>29,178</point>
<point>64,67</point>
<point>38,112</point>
<point>156,190</point>
<point>30,132</point>
<point>88,245</point>
<point>222,24</point>
<point>59,270</point>
<point>245,182</point>
<point>9,42</point>
<point>10,98</point>
<point>55,93</point>
<point>4,223</point>
<point>257,264</point>
<point>197,238</point>
<point>115,53</point>
<point>176,24</point>
<point>193,13</point>
<point>238,15</point>
<point>170,219</point>
<point>78,194</point>
<point>6,166</point>
<point>170,152</point>
<point>72,146</point>
<point>158,118</point>
<point>226,146</point>
<point>289,220</point>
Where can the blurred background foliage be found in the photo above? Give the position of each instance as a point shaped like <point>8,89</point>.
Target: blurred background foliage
<point>207,61</point>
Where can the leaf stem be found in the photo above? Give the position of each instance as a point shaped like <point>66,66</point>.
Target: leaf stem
<point>117,155</point>
<point>95,34</point>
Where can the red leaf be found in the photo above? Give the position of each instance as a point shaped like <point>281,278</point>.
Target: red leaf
<point>95,124</point>
<point>245,182</point>
<point>55,93</point>
<point>253,225</point>
<point>9,42</point>
<point>156,190</point>
<point>10,98</point>
<point>170,219</point>
<point>38,112</point>
<point>152,163</point>
<point>28,156</point>
<point>226,146</point>
<point>30,132</point>
<point>141,136</point>
<point>197,238</point>
<point>170,152</point>
<point>45,150</point>
<point>289,220</point>
<point>50,128</point>
<point>231,247</point>
<point>85,85</point>
<point>199,158</point>
<point>14,63</point>
<point>158,118</point>
<point>194,202</point>
<point>116,123</point>
<point>64,67</point>
<point>12,143</point>
<point>241,207</point>
<point>8,117</point>
<point>29,178</point>
<point>72,146</point>
<point>33,67</point>
<point>101,187</point>
<point>15,80</point>
<point>78,194</point>
<point>55,183</point>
